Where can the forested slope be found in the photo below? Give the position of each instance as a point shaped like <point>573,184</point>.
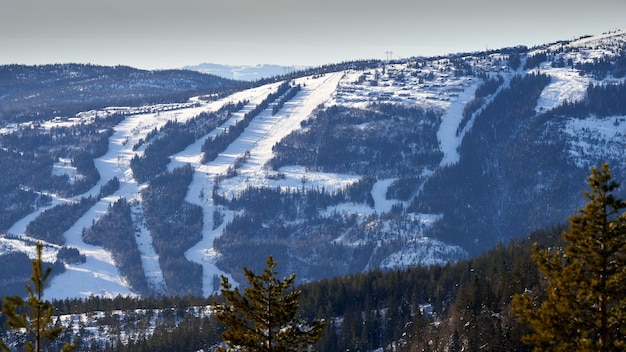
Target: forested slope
<point>333,170</point>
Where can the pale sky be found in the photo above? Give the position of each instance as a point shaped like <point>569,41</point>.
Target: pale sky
<point>158,34</point>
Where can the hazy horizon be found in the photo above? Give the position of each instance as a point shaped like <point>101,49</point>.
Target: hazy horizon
<point>163,34</point>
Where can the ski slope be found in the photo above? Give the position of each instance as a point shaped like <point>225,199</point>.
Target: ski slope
<point>99,275</point>
<point>445,93</point>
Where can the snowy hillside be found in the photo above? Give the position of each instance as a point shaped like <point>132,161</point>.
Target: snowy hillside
<point>341,172</point>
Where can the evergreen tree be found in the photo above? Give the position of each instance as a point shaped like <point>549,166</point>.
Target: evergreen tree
<point>584,308</point>
<point>263,318</point>
<point>37,325</point>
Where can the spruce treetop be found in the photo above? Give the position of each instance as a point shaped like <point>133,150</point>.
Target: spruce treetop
<point>584,308</point>
<point>264,317</point>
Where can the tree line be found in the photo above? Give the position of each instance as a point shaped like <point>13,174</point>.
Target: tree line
<point>175,225</point>
<point>375,142</point>
<point>51,224</point>
<point>601,100</point>
<point>115,232</point>
<point>558,289</point>
<point>42,92</point>
<point>174,137</point>
<point>499,162</point>
<point>29,154</point>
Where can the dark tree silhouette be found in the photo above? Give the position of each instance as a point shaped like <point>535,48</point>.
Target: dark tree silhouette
<point>584,308</point>
<point>263,318</point>
<point>33,315</point>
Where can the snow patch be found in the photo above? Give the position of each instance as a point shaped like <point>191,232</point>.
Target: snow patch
<point>592,137</point>
<point>566,85</point>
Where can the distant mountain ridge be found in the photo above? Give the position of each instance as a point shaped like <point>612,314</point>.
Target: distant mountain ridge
<point>243,72</point>
<point>66,89</point>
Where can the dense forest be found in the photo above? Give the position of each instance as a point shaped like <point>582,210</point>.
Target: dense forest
<point>516,173</point>
<point>216,144</point>
<point>506,130</point>
<point>175,225</point>
<point>460,306</point>
<point>288,224</point>
<point>116,233</point>
<point>45,91</point>
<point>17,271</point>
<point>30,154</point>
<point>374,142</point>
<point>174,137</point>
<point>296,225</point>
<point>52,223</point>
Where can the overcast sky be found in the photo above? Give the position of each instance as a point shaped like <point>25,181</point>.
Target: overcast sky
<point>157,34</point>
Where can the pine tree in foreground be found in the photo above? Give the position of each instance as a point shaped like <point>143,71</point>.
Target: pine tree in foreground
<point>15,308</point>
<point>584,308</point>
<point>263,318</point>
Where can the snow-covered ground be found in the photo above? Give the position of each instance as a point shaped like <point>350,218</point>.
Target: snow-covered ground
<point>442,91</point>
<point>566,85</point>
<point>99,275</point>
<point>595,136</point>
<point>258,139</point>
<point>449,140</point>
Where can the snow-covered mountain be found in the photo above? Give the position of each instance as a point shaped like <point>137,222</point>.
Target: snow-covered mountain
<point>243,72</point>
<point>354,167</point>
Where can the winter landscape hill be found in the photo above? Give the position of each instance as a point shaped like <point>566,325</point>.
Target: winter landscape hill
<point>334,170</point>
